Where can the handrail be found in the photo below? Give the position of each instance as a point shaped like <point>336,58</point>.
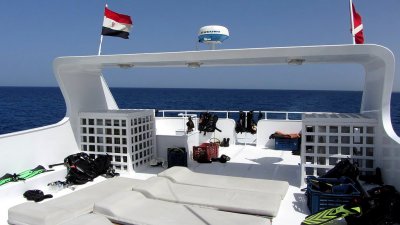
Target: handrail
<point>182,112</point>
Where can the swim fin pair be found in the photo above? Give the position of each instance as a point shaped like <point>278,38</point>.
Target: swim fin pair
<point>327,215</point>
<point>23,175</point>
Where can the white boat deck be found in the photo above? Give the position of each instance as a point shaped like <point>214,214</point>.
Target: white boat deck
<point>246,161</point>
<point>85,90</point>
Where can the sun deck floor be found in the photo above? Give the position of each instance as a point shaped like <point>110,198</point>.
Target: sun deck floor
<point>246,161</point>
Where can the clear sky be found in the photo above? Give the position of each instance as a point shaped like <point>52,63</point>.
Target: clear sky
<point>35,32</point>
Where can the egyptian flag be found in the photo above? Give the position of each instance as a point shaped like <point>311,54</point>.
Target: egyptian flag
<point>115,24</point>
<point>358,27</point>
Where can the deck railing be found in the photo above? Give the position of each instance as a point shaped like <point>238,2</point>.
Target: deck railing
<point>233,114</point>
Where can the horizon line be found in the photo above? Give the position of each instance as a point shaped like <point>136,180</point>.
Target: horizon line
<point>204,88</point>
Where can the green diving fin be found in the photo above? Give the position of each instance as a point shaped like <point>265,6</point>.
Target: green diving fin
<point>23,175</point>
<point>32,172</point>
<point>327,215</point>
<point>8,178</point>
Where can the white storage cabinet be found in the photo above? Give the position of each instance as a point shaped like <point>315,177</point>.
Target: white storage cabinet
<point>330,137</point>
<point>127,135</point>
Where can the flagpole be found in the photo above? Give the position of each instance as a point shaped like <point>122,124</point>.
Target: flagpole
<point>101,42</point>
<point>101,39</point>
<point>352,22</point>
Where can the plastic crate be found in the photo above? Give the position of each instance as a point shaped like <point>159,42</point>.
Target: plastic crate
<point>287,144</point>
<point>343,191</point>
<point>205,151</point>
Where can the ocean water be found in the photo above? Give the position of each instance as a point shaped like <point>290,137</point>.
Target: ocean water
<point>29,107</point>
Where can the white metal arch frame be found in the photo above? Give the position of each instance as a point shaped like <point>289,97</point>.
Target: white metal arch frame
<point>85,89</point>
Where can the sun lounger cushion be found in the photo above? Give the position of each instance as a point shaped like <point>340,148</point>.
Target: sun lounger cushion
<point>240,201</point>
<point>34,214</point>
<point>131,207</point>
<point>89,219</point>
<point>58,210</point>
<point>185,176</point>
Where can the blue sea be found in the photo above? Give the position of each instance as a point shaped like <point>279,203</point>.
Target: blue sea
<point>29,107</point>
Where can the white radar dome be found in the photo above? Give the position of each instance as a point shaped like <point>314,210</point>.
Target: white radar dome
<point>213,34</point>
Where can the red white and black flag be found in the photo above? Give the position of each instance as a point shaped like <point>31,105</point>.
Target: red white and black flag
<point>357,26</point>
<point>115,24</point>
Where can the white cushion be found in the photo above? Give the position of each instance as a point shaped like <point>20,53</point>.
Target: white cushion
<point>38,214</point>
<point>55,211</point>
<point>239,201</point>
<point>131,207</point>
<point>185,176</point>
<point>89,219</point>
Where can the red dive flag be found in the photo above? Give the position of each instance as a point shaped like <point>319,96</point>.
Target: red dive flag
<point>357,30</point>
<point>116,24</point>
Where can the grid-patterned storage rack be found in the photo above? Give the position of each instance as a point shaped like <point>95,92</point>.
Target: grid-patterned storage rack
<point>330,137</point>
<point>127,135</point>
